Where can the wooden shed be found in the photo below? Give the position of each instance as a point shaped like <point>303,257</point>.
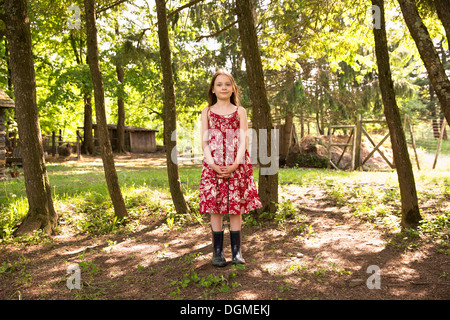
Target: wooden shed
<point>137,140</point>
<point>5,102</point>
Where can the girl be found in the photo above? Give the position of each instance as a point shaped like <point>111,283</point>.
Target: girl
<point>226,185</point>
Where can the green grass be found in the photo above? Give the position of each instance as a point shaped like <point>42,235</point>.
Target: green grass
<point>82,201</point>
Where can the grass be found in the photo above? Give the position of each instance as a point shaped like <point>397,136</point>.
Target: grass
<point>82,201</point>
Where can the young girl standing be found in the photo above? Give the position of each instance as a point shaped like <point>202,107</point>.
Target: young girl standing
<point>226,185</point>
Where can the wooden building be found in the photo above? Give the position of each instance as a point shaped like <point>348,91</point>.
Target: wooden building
<point>5,102</point>
<point>137,140</point>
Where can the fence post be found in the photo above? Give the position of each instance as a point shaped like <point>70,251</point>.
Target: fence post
<point>441,135</point>
<point>53,144</point>
<point>356,156</point>
<point>78,146</point>
<point>413,141</point>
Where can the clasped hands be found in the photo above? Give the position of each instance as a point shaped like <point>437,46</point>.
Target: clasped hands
<point>224,172</point>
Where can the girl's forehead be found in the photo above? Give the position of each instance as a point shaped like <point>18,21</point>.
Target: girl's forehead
<point>222,78</point>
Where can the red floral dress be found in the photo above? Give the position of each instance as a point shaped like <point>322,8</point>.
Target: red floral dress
<point>234,195</point>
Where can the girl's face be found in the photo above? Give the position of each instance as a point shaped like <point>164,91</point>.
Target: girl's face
<point>223,87</point>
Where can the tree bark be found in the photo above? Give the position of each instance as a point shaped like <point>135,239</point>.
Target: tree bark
<point>428,53</point>
<point>443,12</point>
<point>41,213</point>
<point>268,180</point>
<point>112,180</point>
<point>170,124</point>
<point>88,141</point>
<point>289,115</point>
<point>120,104</point>
<point>410,208</point>
<point>120,112</point>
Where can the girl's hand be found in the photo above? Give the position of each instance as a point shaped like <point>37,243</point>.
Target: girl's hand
<point>227,171</point>
<point>215,167</point>
<point>224,172</point>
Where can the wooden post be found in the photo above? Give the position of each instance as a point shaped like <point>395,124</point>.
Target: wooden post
<point>2,143</point>
<point>356,157</point>
<point>53,144</point>
<point>329,149</point>
<point>441,135</point>
<point>78,145</point>
<point>412,140</point>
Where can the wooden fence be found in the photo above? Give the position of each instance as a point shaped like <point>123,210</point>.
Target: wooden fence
<point>354,141</point>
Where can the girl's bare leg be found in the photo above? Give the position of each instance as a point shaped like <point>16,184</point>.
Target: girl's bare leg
<point>235,222</point>
<point>216,222</point>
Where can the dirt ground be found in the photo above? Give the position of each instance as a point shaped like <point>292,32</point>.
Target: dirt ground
<point>329,262</point>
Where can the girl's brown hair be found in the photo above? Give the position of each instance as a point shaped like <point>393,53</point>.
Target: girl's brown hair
<point>212,99</point>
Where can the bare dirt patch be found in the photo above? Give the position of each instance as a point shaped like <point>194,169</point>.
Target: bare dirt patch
<point>326,255</point>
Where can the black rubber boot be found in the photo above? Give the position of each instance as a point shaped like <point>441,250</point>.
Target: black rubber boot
<point>235,239</point>
<point>218,259</point>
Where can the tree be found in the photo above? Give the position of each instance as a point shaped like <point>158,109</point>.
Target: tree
<point>410,208</point>
<point>262,118</point>
<point>99,96</point>
<point>428,53</point>
<point>41,213</point>
<point>170,124</point>
<point>443,12</point>
<point>120,103</point>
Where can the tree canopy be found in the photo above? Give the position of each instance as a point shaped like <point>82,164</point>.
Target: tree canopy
<point>324,49</point>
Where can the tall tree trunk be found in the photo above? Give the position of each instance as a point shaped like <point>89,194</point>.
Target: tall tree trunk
<point>99,95</point>
<point>41,213</point>
<point>262,120</point>
<point>120,104</point>
<point>170,124</point>
<point>410,208</point>
<point>8,67</point>
<point>120,111</point>
<point>428,53</point>
<point>289,117</point>
<point>88,139</point>
<point>443,12</point>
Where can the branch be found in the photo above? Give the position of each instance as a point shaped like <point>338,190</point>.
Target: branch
<point>170,15</point>
<point>190,4</point>
<point>110,6</point>
<point>216,33</point>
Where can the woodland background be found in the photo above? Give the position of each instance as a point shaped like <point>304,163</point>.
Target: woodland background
<point>308,63</point>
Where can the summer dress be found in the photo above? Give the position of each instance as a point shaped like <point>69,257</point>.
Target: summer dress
<point>234,195</point>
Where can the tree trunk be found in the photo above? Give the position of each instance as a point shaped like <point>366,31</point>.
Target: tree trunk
<point>88,139</point>
<point>120,111</point>
<point>170,123</point>
<point>428,53</point>
<point>289,117</point>
<point>410,208</point>
<point>104,142</point>
<point>443,12</point>
<point>8,67</point>
<point>120,104</point>
<point>41,213</point>
<point>268,177</point>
